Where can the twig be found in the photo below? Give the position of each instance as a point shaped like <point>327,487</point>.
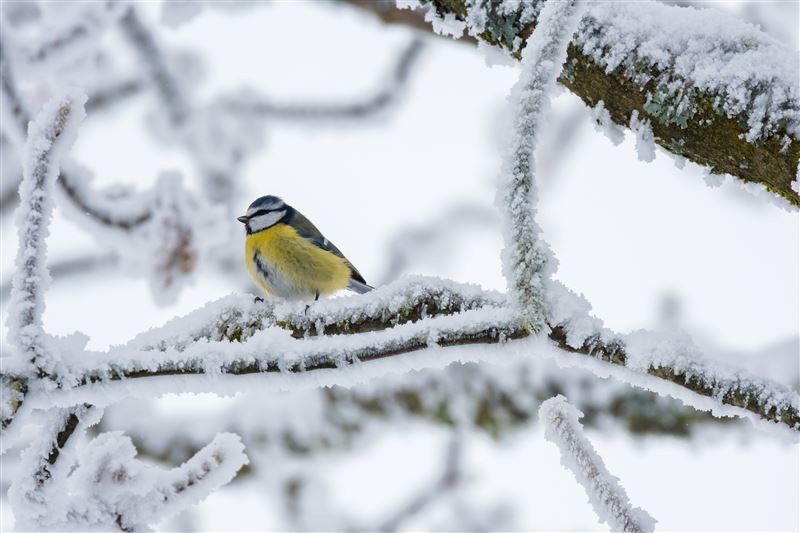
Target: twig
<point>80,265</point>
<point>167,86</point>
<point>450,478</point>
<point>525,256</point>
<point>608,498</point>
<point>313,111</point>
<point>50,135</point>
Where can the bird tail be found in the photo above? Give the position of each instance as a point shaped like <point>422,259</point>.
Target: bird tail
<point>359,287</point>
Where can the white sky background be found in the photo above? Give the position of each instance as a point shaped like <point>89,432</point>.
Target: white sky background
<point>627,234</point>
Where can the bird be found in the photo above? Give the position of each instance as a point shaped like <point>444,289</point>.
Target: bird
<point>288,257</point>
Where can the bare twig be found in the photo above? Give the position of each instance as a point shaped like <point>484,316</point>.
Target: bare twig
<point>167,86</point>
<point>74,266</point>
<point>450,478</point>
<point>313,111</point>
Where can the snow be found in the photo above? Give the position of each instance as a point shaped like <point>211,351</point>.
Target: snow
<point>526,256</point>
<point>703,50</point>
<point>677,54</point>
<point>446,25</point>
<point>605,125</point>
<point>677,354</point>
<point>608,498</point>
<point>645,142</point>
<point>106,486</point>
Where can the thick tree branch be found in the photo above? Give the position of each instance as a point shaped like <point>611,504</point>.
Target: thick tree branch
<point>237,337</point>
<point>756,139</point>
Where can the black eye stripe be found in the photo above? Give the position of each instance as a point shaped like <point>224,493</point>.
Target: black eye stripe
<point>265,211</point>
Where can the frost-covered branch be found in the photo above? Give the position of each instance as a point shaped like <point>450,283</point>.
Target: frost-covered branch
<point>67,484</point>
<point>525,255</point>
<point>41,471</point>
<point>237,337</point>
<point>49,137</point>
<point>608,498</point>
<point>717,91</point>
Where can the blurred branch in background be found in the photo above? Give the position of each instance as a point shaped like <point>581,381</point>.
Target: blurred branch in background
<point>744,122</point>
<point>447,482</point>
<point>433,238</point>
<point>393,88</point>
<point>81,265</point>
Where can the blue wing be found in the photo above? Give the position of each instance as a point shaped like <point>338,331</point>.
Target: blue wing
<point>307,230</point>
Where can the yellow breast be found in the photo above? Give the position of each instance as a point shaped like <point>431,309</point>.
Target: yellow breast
<point>293,266</point>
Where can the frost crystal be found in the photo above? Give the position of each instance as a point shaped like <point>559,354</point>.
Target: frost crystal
<point>447,25</point>
<point>645,143</point>
<point>605,125</point>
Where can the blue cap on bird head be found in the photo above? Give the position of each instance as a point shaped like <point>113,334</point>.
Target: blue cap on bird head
<point>263,213</point>
<point>266,203</point>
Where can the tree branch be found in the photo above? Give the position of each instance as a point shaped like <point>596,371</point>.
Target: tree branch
<point>314,111</point>
<point>745,122</point>
<point>608,498</point>
<point>50,135</point>
<point>236,337</point>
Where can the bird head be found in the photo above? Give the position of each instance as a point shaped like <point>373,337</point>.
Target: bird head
<point>263,213</point>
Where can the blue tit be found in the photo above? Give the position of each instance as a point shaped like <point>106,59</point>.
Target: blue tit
<point>288,257</point>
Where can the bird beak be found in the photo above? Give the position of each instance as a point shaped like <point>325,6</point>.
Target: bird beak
<point>243,219</point>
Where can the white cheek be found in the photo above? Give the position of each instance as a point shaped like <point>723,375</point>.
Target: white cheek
<point>264,221</point>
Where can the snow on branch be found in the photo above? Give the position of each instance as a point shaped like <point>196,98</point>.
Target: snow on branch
<point>111,488</point>
<point>717,91</point>
<point>41,471</point>
<point>49,137</point>
<point>236,337</point>
<point>608,498</point>
<point>525,255</point>
<point>67,484</point>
